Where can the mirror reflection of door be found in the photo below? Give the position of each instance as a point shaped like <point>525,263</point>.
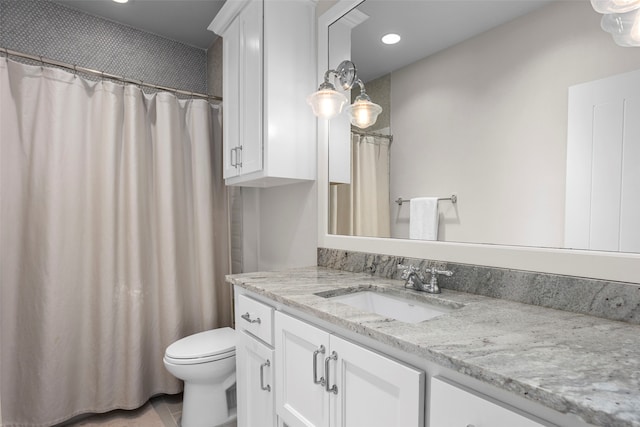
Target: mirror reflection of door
<point>603,154</point>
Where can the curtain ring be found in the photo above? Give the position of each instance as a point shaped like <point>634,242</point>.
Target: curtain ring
<point>41,62</point>
<point>75,71</point>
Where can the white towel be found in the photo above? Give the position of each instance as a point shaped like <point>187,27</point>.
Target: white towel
<point>423,218</point>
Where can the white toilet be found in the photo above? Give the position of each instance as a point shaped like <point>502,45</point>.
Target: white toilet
<point>206,362</point>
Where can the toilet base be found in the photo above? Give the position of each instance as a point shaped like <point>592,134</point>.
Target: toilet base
<point>205,405</point>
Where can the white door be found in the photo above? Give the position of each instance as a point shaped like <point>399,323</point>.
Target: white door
<point>301,399</point>
<point>251,88</point>
<point>453,406</point>
<point>373,390</point>
<point>231,97</point>
<point>254,375</point>
<point>603,154</point>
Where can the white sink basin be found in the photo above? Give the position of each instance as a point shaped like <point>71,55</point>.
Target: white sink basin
<point>405,310</point>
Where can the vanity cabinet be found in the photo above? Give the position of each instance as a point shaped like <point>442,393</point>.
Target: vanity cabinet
<point>268,71</point>
<point>255,358</point>
<point>453,405</point>
<point>326,381</point>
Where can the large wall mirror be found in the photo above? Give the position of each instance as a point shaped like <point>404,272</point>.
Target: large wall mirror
<point>482,100</point>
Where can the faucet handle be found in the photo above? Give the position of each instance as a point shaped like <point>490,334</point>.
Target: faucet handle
<point>435,271</point>
<point>407,270</point>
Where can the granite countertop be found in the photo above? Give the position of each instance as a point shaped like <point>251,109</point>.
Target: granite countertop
<point>570,362</point>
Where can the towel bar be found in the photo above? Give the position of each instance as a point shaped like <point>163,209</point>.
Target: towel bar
<point>453,198</point>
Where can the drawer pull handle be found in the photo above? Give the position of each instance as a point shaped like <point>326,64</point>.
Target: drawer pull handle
<point>334,388</point>
<point>262,386</point>
<point>248,318</point>
<point>321,381</point>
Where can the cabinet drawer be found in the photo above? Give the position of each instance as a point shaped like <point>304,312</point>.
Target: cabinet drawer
<point>255,317</point>
<point>453,406</point>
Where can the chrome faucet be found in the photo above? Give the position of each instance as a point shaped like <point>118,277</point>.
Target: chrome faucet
<point>433,287</point>
<point>416,280</point>
<point>412,276</point>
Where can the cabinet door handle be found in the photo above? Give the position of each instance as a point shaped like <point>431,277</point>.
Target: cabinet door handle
<point>334,388</point>
<point>321,381</point>
<point>262,386</point>
<point>248,318</point>
<point>234,157</point>
<point>239,156</point>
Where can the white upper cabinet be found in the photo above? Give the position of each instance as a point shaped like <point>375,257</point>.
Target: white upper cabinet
<point>269,69</point>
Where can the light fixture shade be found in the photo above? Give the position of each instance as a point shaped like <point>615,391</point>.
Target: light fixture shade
<point>615,6</point>
<point>623,27</point>
<point>326,103</point>
<point>363,112</point>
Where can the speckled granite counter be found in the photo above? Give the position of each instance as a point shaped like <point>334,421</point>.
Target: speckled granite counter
<point>569,362</point>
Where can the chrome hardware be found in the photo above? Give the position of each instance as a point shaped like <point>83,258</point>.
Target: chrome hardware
<point>412,276</point>
<point>265,364</point>
<point>234,157</point>
<point>248,318</point>
<point>334,388</point>
<point>415,279</point>
<point>239,162</point>
<point>321,381</point>
<point>453,198</point>
<point>433,287</point>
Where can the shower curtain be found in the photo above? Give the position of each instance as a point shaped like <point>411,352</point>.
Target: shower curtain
<point>113,240</point>
<point>362,207</point>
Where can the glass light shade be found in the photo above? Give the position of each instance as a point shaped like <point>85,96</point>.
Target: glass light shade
<point>624,27</point>
<point>363,112</point>
<point>326,103</point>
<point>615,6</point>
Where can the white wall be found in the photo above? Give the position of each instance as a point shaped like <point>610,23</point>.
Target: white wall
<point>461,125</point>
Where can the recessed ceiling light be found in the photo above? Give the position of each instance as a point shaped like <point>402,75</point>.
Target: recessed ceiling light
<point>121,1</point>
<point>390,38</point>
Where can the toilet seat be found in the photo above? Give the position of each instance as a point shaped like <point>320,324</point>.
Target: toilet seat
<point>203,347</point>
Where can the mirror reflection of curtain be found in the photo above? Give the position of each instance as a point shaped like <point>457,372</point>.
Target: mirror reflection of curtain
<point>362,207</point>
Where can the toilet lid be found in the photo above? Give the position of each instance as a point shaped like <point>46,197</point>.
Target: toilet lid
<point>204,344</point>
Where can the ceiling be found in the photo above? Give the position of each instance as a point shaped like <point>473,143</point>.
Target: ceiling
<point>185,21</point>
<point>426,27</point>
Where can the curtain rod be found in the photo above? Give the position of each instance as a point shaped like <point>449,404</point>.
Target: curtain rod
<point>102,74</point>
<point>379,135</point>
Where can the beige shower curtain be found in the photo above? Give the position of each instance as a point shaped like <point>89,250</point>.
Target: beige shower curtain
<point>362,207</point>
<point>113,240</point>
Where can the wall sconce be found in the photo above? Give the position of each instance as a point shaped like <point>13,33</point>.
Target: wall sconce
<point>363,112</point>
<point>621,19</point>
<point>326,102</point>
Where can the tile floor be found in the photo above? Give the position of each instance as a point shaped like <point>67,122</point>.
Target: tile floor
<point>161,411</point>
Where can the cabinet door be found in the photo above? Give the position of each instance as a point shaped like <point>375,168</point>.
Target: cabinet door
<point>251,88</point>
<point>453,406</point>
<point>254,375</point>
<point>373,390</point>
<point>231,96</point>
<point>300,401</point>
